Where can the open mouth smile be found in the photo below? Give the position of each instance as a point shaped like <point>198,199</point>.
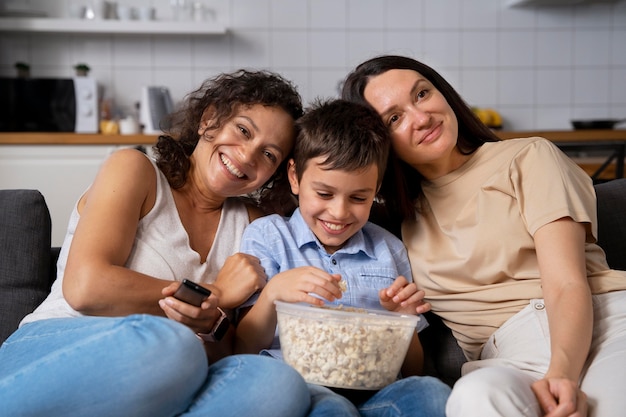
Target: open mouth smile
<point>334,226</point>
<point>230,167</point>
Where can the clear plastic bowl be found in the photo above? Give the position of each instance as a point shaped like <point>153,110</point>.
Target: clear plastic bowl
<point>344,347</point>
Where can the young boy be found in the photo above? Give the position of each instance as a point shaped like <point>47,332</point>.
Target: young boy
<point>337,167</point>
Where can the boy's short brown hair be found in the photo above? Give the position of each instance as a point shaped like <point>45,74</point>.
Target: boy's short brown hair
<point>351,137</point>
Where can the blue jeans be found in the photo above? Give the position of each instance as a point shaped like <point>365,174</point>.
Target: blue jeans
<point>413,396</point>
<point>138,365</point>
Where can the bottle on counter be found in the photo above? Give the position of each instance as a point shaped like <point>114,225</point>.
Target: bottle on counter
<point>108,126</point>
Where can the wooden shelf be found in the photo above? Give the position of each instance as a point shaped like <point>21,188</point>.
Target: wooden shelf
<point>45,138</point>
<point>56,138</point>
<point>582,135</point>
<point>157,27</point>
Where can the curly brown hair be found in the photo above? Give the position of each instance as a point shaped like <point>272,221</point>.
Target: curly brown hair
<point>224,95</point>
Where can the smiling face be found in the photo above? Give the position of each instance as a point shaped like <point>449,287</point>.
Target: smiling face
<point>423,126</point>
<point>242,154</point>
<point>335,204</point>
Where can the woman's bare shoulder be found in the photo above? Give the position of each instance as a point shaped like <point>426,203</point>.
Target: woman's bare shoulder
<point>127,173</point>
<point>129,160</point>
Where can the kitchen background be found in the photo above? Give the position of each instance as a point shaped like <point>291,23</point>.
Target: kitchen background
<point>540,65</point>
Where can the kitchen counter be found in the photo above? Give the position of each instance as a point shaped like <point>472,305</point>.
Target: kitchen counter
<point>99,139</point>
<point>611,143</point>
<point>557,136</point>
<point>64,138</point>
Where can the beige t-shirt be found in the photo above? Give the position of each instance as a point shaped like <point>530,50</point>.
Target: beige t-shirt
<point>472,247</point>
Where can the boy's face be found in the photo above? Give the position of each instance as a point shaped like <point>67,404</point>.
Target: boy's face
<point>335,204</point>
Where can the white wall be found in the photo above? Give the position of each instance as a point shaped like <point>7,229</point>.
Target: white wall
<point>60,173</point>
<point>540,67</point>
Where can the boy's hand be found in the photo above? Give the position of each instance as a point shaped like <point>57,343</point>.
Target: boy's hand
<point>296,285</point>
<point>402,297</point>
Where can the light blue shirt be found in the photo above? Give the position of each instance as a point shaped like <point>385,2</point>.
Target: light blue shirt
<point>368,262</point>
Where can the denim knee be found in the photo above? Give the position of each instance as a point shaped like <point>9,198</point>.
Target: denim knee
<point>95,359</point>
<point>171,345</point>
<point>240,384</point>
<point>416,396</point>
<point>326,403</point>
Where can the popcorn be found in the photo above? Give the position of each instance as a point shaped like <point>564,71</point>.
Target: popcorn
<point>345,349</point>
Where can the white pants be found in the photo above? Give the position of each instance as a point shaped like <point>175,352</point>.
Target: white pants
<point>518,353</point>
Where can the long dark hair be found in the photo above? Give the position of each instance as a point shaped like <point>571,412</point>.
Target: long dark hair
<point>401,186</point>
<point>223,95</point>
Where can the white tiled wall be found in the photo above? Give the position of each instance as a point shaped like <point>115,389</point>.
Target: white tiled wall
<point>540,67</point>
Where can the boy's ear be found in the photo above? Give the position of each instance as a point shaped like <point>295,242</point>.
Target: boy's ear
<point>293,176</point>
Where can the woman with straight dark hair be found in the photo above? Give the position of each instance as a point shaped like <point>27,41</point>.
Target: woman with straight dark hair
<point>501,237</point>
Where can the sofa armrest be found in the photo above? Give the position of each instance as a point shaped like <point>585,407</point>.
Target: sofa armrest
<point>25,238</point>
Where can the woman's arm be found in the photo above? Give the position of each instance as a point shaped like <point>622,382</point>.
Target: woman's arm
<point>242,275</point>
<point>239,278</point>
<point>96,281</point>
<point>560,247</point>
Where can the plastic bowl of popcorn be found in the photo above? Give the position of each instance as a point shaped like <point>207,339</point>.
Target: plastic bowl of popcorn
<point>344,347</point>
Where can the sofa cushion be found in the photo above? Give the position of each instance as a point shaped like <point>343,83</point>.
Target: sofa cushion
<point>24,255</point>
<point>443,357</point>
<point>611,198</point>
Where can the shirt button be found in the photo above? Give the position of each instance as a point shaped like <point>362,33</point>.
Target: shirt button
<point>334,261</point>
<point>540,306</point>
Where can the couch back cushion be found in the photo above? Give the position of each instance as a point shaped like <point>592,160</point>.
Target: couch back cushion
<point>25,236</point>
<point>611,197</point>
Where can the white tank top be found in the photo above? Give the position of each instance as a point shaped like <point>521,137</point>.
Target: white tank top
<point>161,248</point>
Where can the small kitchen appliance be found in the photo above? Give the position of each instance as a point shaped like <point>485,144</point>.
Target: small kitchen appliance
<point>156,103</point>
<point>48,105</point>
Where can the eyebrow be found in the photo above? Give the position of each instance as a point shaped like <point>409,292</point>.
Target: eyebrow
<point>331,188</point>
<point>414,89</point>
<point>250,121</point>
<point>416,86</point>
<point>256,129</point>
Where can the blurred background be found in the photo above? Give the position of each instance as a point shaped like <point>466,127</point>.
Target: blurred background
<point>539,63</point>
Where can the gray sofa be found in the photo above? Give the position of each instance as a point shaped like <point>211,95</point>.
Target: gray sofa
<point>27,265</point>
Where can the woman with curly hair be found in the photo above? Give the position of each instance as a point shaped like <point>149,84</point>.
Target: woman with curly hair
<point>112,338</point>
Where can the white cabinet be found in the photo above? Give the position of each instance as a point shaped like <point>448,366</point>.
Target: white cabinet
<point>52,25</point>
<point>61,172</point>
